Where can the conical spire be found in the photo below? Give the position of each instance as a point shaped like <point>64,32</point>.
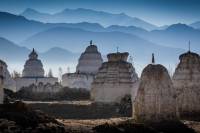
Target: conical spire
<point>153,59</point>
<point>189,46</point>
<point>90,42</point>
<point>117,49</point>
<point>33,54</point>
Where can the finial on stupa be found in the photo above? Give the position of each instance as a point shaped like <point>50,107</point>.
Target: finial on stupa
<point>189,46</point>
<point>33,50</point>
<point>117,49</point>
<point>90,42</point>
<point>153,59</point>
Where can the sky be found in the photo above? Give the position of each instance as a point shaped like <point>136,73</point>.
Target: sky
<point>158,12</point>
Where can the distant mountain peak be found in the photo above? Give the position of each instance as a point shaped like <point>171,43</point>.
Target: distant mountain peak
<point>88,15</point>
<point>30,11</point>
<point>179,26</point>
<point>196,25</point>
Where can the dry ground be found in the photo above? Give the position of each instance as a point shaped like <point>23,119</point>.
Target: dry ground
<point>87,125</point>
<point>76,126</point>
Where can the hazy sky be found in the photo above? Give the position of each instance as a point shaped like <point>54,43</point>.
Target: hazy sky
<point>159,12</point>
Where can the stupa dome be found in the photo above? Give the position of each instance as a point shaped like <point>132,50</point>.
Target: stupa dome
<point>90,60</point>
<point>186,80</point>
<point>33,66</point>
<point>155,100</point>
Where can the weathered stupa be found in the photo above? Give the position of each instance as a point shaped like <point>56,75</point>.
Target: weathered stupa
<point>186,80</point>
<point>33,66</point>
<point>33,73</point>
<point>155,100</point>
<point>88,65</point>
<point>114,80</point>
<point>7,81</point>
<point>2,76</point>
<point>90,60</point>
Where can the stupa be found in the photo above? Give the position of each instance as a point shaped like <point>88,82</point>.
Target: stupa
<point>90,60</point>
<point>33,66</point>
<point>33,73</point>
<point>114,80</point>
<point>155,100</point>
<point>7,80</point>
<point>2,77</point>
<point>88,65</point>
<point>186,80</point>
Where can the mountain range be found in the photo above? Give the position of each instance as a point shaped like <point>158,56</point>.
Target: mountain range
<point>62,42</point>
<point>87,15</point>
<point>8,51</point>
<point>196,25</point>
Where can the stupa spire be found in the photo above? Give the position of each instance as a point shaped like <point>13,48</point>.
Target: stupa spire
<point>189,46</point>
<point>117,49</point>
<point>153,59</point>
<point>90,42</point>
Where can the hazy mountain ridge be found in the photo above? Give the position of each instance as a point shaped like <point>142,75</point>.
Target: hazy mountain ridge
<point>87,15</point>
<point>177,35</point>
<point>75,37</point>
<point>16,27</point>
<point>20,28</point>
<point>196,25</point>
<point>9,50</point>
<point>106,42</point>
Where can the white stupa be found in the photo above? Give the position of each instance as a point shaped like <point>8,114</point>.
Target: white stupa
<point>90,60</point>
<point>186,80</point>
<point>88,65</point>
<point>33,66</point>
<point>114,80</point>
<point>33,73</point>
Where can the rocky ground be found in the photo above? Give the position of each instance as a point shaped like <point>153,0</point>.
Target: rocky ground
<point>127,125</point>
<point>21,118</point>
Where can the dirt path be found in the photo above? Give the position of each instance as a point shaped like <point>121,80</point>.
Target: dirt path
<point>74,126</point>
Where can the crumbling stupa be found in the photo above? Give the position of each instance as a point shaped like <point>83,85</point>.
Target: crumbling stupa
<point>2,76</point>
<point>186,80</point>
<point>114,80</point>
<point>155,100</point>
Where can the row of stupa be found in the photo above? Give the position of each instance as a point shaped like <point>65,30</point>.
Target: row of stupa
<point>154,95</point>
<point>161,98</point>
<point>33,72</point>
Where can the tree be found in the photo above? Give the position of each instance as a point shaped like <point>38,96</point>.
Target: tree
<point>50,73</point>
<point>60,73</point>
<point>15,74</point>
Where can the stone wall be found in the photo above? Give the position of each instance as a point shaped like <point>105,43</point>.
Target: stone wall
<point>77,80</point>
<point>25,82</point>
<point>44,88</point>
